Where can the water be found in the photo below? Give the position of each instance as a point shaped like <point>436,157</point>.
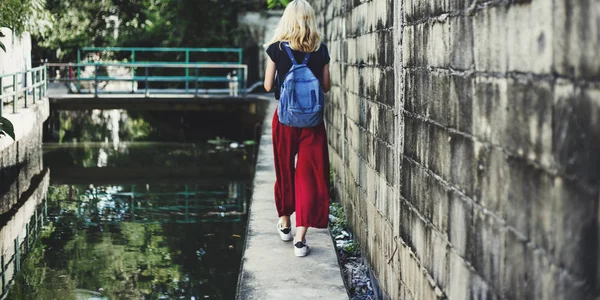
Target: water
<point>141,219</point>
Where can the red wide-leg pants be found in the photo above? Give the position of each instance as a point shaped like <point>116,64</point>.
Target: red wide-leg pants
<point>303,188</point>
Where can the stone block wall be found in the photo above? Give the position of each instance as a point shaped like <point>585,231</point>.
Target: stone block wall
<point>465,141</point>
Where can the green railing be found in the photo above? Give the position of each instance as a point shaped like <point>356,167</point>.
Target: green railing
<point>122,52</point>
<point>22,88</point>
<point>170,75</point>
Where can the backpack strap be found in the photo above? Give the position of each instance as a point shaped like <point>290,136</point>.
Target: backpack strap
<point>306,57</point>
<point>289,52</point>
<point>291,55</point>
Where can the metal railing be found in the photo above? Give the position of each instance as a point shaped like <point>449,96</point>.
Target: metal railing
<point>192,82</point>
<point>173,52</point>
<point>22,86</point>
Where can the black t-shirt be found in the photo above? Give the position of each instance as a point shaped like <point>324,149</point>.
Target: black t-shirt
<point>283,64</point>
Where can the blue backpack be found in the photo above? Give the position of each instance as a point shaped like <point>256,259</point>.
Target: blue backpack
<point>301,100</point>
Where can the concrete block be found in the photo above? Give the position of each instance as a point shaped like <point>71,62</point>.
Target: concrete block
<point>529,120</point>
<point>439,44</point>
<point>530,50</point>
<point>576,131</point>
<point>410,90</point>
<point>575,226</point>
<point>410,139</point>
<point>488,247</point>
<point>495,183</point>
<point>441,110</point>
<point>490,39</point>
<point>460,224</point>
<point>490,106</point>
<point>439,264</point>
<point>480,289</point>
<point>384,161</point>
<point>576,38</point>
<point>517,283</point>
<point>545,276</point>
<point>406,216</point>
<point>572,288</point>
<point>353,107</point>
<point>461,97</point>
<point>461,42</point>
<point>420,46</point>
<point>463,169</point>
<point>386,127</point>
<point>460,274</point>
<point>440,198</point>
<point>409,55</point>
<point>421,92</point>
<point>372,87</point>
<point>439,155</point>
<point>351,79</point>
<point>408,12</point>
<point>457,5</point>
<point>421,241</point>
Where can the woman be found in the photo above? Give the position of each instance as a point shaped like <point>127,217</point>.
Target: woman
<point>303,187</point>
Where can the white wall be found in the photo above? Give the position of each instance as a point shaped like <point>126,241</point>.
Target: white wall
<point>18,52</point>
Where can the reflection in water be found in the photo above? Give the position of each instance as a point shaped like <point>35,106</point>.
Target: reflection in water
<point>21,226</point>
<point>140,221</point>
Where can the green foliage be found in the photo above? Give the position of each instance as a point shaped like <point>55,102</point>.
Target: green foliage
<point>271,4</point>
<point>141,23</point>
<point>336,210</point>
<point>25,15</point>
<point>6,128</point>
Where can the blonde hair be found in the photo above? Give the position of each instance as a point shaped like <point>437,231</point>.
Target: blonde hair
<point>298,27</point>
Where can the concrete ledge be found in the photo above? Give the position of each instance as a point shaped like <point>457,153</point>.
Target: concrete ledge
<point>269,268</point>
<point>25,121</point>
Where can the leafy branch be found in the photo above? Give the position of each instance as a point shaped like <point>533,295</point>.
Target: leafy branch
<point>271,4</point>
<point>1,44</point>
<point>6,128</point>
<point>24,15</point>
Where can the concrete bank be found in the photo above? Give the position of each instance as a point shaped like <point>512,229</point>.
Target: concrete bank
<point>269,268</point>
<point>21,159</point>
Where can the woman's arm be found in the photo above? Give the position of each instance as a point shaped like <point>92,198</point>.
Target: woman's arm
<point>326,80</point>
<point>269,75</point>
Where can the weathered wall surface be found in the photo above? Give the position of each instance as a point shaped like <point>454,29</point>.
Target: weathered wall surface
<point>465,138</point>
<point>21,160</point>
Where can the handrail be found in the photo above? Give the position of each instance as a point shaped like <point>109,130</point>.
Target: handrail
<point>134,50</point>
<point>147,78</point>
<point>17,91</point>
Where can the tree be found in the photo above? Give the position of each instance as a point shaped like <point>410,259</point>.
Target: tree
<point>141,23</point>
<point>24,15</point>
<point>277,3</point>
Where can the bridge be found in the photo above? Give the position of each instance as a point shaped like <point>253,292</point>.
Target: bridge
<point>133,78</point>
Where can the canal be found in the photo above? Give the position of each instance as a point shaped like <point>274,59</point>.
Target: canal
<point>139,205</point>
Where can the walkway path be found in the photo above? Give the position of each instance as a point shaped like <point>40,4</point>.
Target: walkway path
<point>269,268</point>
